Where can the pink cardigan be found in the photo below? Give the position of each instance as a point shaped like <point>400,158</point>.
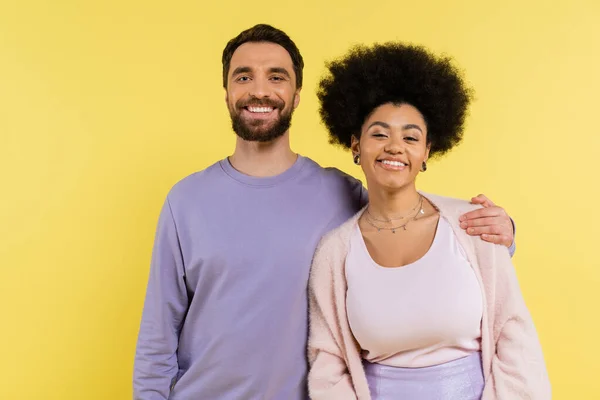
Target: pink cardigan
<point>513,363</point>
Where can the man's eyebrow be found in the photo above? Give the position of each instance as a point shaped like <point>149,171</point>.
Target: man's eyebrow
<point>280,70</point>
<point>241,70</point>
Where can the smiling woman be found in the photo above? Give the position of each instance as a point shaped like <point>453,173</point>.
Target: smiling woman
<point>403,302</point>
<point>394,139</point>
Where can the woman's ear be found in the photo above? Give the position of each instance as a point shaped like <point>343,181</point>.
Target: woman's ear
<point>355,146</point>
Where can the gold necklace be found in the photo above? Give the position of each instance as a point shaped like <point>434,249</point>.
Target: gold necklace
<point>419,202</point>
<point>393,228</point>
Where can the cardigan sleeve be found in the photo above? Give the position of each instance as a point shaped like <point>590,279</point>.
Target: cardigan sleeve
<point>518,369</point>
<point>328,378</point>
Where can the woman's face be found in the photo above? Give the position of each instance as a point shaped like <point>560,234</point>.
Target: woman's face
<point>392,146</point>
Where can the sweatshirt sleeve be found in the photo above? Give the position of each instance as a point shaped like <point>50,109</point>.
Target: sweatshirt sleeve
<point>518,370</point>
<point>329,378</point>
<point>165,306</point>
<point>513,247</point>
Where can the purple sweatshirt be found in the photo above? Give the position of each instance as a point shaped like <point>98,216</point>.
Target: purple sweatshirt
<point>225,315</point>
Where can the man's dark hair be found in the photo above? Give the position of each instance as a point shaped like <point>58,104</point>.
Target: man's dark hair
<point>263,33</point>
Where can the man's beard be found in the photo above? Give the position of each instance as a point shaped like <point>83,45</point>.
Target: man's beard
<point>254,131</point>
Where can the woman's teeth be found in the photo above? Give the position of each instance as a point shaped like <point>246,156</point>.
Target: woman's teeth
<point>393,163</point>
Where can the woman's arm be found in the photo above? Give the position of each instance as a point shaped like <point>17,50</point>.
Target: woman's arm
<point>328,378</point>
<point>518,369</point>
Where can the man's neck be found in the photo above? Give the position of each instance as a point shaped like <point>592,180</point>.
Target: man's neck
<point>263,159</point>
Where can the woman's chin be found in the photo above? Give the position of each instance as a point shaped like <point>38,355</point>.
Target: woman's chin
<point>388,186</point>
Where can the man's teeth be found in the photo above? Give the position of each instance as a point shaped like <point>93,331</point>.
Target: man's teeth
<point>260,109</point>
<point>394,163</point>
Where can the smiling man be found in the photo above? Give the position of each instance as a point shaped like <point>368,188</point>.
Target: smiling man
<point>225,314</point>
<point>261,109</point>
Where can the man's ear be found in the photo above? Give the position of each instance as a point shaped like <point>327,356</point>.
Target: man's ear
<point>297,98</point>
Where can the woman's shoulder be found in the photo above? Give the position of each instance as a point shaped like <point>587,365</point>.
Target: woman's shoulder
<point>333,247</point>
<point>452,209</point>
<point>450,206</point>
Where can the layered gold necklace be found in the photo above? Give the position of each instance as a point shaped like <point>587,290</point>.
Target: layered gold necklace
<point>412,215</point>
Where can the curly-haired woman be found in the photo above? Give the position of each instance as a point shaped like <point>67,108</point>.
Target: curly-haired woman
<point>404,304</point>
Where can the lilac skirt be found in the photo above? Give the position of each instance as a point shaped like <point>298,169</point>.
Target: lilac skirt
<point>460,379</point>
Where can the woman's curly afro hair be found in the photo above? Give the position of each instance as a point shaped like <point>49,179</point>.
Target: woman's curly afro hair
<point>368,77</point>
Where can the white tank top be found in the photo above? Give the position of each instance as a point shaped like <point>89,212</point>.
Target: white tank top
<point>422,314</point>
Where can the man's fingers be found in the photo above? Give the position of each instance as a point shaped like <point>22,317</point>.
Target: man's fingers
<point>482,213</point>
<point>503,240</point>
<point>484,221</point>
<point>488,230</point>
<point>484,203</point>
<point>483,200</point>
<point>491,222</point>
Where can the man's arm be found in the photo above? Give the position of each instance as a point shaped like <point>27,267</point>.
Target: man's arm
<point>491,222</point>
<point>166,303</point>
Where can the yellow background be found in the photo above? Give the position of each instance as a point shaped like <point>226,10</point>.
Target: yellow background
<point>104,105</point>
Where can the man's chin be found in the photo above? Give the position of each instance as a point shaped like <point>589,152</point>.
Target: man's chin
<point>260,137</point>
<point>260,125</point>
<point>260,130</point>
<point>258,134</point>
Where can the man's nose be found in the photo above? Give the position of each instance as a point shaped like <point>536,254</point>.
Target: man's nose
<point>260,89</point>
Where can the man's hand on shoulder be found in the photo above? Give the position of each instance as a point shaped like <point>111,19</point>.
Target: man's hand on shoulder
<point>491,222</point>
